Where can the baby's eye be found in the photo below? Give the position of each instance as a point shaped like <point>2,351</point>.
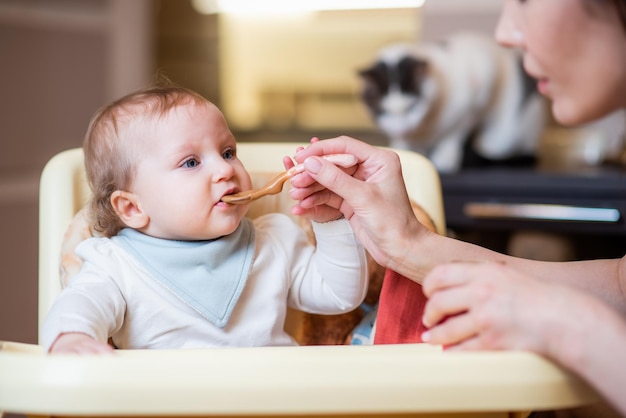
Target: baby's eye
<point>191,163</point>
<point>229,154</point>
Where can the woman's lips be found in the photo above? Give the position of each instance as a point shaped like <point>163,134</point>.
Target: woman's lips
<point>543,86</point>
<point>542,82</point>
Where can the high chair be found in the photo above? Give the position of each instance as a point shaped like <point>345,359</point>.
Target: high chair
<point>312,380</point>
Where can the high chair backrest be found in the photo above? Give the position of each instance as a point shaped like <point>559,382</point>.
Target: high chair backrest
<point>64,191</point>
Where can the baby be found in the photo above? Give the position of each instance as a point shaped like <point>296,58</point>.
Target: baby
<point>176,266</point>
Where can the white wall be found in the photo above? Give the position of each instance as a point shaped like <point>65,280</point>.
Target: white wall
<point>301,71</point>
<point>442,17</point>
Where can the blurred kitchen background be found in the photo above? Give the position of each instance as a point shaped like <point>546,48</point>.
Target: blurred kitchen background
<point>278,75</point>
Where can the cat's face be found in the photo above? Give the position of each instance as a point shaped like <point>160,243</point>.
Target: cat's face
<point>385,78</point>
<point>398,90</point>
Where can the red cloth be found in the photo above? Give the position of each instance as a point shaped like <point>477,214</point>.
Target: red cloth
<point>400,308</point>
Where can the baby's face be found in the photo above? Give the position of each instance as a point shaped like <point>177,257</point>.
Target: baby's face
<point>187,163</point>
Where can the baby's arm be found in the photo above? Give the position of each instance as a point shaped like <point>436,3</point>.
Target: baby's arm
<point>79,343</point>
<point>332,278</point>
<point>91,306</point>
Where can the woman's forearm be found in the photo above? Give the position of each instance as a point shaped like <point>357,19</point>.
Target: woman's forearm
<point>417,253</point>
<point>591,342</point>
<point>420,252</point>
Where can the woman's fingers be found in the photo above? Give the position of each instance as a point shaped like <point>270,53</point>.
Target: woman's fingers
<point>445,304</point>
<point>445,276</point>
<point>452,330</point>
<point>461,302</point>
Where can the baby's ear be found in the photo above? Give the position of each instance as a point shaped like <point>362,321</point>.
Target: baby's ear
<point>128,208</point>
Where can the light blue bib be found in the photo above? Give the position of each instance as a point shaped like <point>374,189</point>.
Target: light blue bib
<point>207,275</point>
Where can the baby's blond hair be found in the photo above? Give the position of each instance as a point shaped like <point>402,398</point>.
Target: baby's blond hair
<point>111,158</point>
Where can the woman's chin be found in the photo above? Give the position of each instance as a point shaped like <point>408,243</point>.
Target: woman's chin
<point>567,115</point>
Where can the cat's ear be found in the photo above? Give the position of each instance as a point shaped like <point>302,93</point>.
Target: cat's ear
<point>421,67</point>
<point>374,72</point>
<point>375,77</point>
<point>365,74</point>
<point>417,67</point>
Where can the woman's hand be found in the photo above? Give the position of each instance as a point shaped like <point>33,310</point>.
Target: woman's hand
<point>321,212</point>
<point>373,198</point>
<point>490,306</point>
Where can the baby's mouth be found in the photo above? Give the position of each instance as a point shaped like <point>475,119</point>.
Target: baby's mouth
<point>229,192</point>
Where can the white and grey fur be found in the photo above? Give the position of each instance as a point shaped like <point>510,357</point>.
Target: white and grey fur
<point>431,98</point>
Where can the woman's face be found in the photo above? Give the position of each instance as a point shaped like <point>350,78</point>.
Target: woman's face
<point>576,49</point>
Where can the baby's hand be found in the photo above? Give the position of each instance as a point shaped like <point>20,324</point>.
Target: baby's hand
<point>303,187</point>
<point>79,343</point>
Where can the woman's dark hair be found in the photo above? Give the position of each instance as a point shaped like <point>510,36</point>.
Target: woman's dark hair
<point>620,6</point>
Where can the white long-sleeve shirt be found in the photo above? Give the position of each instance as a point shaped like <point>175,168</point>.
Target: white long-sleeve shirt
<point>115,296</point>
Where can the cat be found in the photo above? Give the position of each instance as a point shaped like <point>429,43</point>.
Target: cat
<point>434,98</point>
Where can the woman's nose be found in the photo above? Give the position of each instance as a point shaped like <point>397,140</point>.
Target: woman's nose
<point>507,32</point>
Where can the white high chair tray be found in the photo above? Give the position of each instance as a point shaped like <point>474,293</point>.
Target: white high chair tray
<point>412,379</point>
